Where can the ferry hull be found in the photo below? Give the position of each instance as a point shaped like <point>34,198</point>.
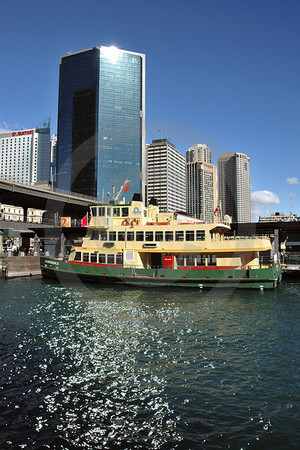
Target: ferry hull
<point>260,278</point>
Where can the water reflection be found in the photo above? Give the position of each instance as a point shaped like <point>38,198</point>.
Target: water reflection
<point>85,367</point>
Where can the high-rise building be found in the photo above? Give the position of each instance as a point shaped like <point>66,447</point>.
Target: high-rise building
<point>199,153</point>
<point>101,121</point>
<point>166,175</point>
<point>234,186</point>
<point>25,154</point>
<point>201,183</point>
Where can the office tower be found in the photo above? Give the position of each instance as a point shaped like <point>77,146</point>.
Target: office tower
<point>166,175</point>
<point>199,153</point>
<point>201,183</point>
<point>25,154</point>
<point>101,122</point>
<point>234,186</point>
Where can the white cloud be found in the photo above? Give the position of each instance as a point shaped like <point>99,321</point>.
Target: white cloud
<point>261,199</point>
<point>292,180</point>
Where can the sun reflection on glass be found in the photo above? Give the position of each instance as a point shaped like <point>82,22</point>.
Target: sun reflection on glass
<point>111,53</point>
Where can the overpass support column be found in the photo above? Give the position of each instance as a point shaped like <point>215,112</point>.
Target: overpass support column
<point>275,252</point>
<point>36,246</point>
<point>62,243</point>
<point>25,213</point>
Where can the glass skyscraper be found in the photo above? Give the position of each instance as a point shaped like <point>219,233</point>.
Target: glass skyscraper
<point>101,122</point>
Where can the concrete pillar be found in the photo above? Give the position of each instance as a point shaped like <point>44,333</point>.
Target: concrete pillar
<point>276,245</point>
<point>62,243</point>
<point>36,246</point>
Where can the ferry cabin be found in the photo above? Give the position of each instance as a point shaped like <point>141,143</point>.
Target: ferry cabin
<point>135,236</point>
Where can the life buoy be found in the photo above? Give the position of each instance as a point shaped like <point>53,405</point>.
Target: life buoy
<point>134,222</point>
<point>125,222</point>
<point>60,256</point>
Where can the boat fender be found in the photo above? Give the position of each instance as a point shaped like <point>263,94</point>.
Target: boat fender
<point>134,222</point>
<point>125,222</point>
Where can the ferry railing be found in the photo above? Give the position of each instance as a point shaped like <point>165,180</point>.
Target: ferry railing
<point>237,238</point>
<point>262,265</point>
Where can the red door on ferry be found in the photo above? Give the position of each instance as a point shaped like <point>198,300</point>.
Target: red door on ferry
<point>169,261</point>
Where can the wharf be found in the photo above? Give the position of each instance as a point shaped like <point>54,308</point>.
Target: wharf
<point>21,266</point>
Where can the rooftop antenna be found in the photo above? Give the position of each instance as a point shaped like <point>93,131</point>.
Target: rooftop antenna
<point>292,202</point>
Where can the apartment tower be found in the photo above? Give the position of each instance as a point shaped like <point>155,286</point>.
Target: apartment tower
<point>234,186</point>
<point>166,175</point>
<point>201,183</point>
<point>101,122</point>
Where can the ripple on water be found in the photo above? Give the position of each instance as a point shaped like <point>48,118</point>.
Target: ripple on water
<point>96,368</point>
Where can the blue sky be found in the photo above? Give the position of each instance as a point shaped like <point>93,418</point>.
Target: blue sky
<point>220,72</point>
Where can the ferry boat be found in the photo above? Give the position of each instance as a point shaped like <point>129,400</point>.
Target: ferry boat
<point>138,245</point>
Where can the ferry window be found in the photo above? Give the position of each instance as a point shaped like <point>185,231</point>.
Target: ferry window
<point>130,235</point>
<point>189,235</point>
<point>101,211</point>
<point>85,257</point>
<point>77,256</point>
<point>93,211</point>
<point>119,258</point>
<point>101,258</point>
<point>180,260</point>
<point>200,260</point>
<point>149,236</point>
<point>108,212</point>
<point>139,236</point>
<point>116,212</point>
<point>179,236</point>
<point>125,212</point>
<point>200,235</point>
<point>211,260</point>
<point>112,236</point>
<point>159,236</point>
<point>103,235</point>
<point>121,235</point>
<point>190,260</point>
<point>111,259</point>
<point>95,235</point>
<point>169,235</point>
<point>93,257</point>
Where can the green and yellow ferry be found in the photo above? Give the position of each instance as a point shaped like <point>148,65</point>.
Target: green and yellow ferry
<point>138,245</point>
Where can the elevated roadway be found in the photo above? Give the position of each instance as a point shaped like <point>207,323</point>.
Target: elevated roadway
<point>65,204</point>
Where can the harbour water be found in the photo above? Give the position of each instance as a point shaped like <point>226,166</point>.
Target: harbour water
<point>96,368</point>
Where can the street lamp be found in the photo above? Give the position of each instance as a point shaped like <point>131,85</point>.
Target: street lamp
<point>53,175</point>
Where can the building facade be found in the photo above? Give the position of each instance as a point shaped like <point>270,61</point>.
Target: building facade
<point>201,183</point>
<point>166,175</point>
<point>25,155</point>
<point>16,214</point>
<point>234,186</point>
<point>101,122</point>
<point>280,217</point>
